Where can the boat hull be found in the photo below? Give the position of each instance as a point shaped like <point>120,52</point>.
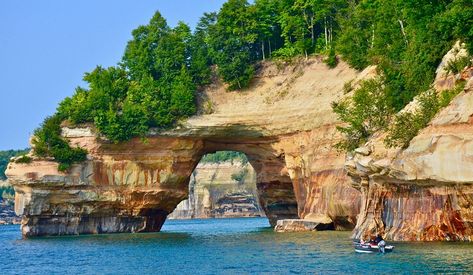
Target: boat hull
<point>368,248</point>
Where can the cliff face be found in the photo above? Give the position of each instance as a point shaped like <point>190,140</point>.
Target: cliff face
<point>284,124</point>
<point>423,192</point>
<point>7,213</point>
<point>213,193</point>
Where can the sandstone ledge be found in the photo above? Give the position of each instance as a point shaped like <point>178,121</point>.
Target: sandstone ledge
<point>425,191</point>
<point>299,225</point>
<point>284,124</point>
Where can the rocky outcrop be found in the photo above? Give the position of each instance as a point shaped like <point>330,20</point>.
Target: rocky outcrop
<point>298,225</point>
<point>283,123</point>
<point>423,192</point>
<point>214,193</point>
<point>7,213</point>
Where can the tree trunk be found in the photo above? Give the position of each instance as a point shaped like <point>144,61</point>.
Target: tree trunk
<point>326,37</point>
<point>372,37</point>
<point>269,45</point>
<point>312,36</point>
<point>331,32</point>
<point>262,49</point>
<point>403,32</point>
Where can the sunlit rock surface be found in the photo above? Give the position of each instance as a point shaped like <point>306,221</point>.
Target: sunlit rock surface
<point>215,193</point>
<point>283,123</point>
<point>299,225</point>
<point>423,192</point>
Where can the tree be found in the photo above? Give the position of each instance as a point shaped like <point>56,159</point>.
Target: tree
<point>293,27</point>
<point>268,28</point>
<point>201,54</point>
<point>366,112</point>
<point>140,52</point>
<point>233,43</point>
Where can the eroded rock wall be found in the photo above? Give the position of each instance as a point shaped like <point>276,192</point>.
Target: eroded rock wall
<point>214,193</point>
<point>423,192</point>
<point>121,188</point>
<point>283,123</point>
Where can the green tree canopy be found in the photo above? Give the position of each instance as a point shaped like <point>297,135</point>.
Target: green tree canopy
<point>155,84</point>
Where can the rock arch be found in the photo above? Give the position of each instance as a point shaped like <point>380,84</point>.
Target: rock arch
<point>133,186</point>
<point>284,125</point>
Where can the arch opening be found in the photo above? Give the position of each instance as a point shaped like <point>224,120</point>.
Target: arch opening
<point>222,185</point>
<point>268,186</point>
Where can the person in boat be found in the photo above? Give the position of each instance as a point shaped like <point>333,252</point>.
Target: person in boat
<point>373,240</point>
<point>378,239</point>
<point>381,243</point>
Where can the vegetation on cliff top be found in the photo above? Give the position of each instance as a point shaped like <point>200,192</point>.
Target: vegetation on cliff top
<point>406,40</point>
<point>155,83</point>
<point>224,156</point>
<point>368,112</point>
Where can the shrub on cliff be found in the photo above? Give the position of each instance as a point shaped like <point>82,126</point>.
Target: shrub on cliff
<point>223,156</point>
<point>369,111</point>
<point>331,60</point>
<point>364,113</point>
<point>456,65</point>
<point>155,83</point>
<point>407,125</point>
<point>48,142</point>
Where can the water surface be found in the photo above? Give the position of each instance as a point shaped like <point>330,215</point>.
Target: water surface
<point>220,246</point>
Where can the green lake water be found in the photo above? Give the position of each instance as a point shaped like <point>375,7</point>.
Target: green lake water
<point>221,246</point>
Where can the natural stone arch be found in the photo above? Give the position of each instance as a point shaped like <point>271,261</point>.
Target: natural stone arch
<point>284,123</point>
<point>133,186</point>
<point>275,187</point>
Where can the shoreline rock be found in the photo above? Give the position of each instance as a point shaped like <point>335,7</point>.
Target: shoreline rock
<point>284,124</point>
<point>425,191</point>
<point>299,225</point>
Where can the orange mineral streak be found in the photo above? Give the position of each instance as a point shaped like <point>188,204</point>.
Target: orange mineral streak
<point>284,123</point>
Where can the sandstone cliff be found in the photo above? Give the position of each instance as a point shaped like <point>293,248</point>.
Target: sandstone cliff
<point>423,192</point>
<point>7,213</point>
<point>213,193</point>
<point>283,123</point>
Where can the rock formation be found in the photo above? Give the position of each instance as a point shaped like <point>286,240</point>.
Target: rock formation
<point>301,225</point>
<point>7,213</point>
<point>283,123</point>
<point>423,192</point>
<point>213,193</point>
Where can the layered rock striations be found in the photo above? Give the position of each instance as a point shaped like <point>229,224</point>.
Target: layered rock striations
<point>425,191</point>
<point>283,123</point>
<point>219,190</point>
<point>285,126</point>
<point>7,213</point>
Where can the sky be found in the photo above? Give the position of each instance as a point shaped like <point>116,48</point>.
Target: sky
<point>47,46</point>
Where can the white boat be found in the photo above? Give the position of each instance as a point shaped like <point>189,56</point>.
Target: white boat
<point>371,248</point>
